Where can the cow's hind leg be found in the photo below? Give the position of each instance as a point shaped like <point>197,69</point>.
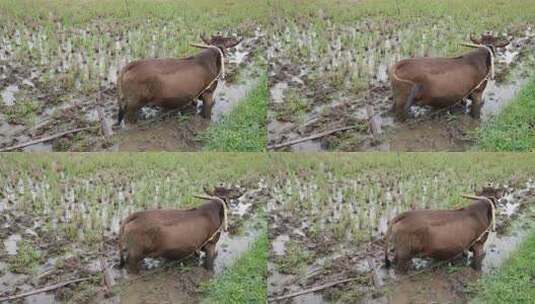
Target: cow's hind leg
<point>131,113</point>
<point>207,104</point>
<point>133,262</point>
<point>402,260</point>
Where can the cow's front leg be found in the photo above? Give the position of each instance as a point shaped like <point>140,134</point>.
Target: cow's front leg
<point>479,254</point>
<point>477,102</point>
<point>207,104</point>
<point>211,253</point>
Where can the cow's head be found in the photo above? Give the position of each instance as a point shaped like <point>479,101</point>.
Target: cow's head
<point>494,194</point>
<point>226,194</point>
<point>490,41</point>
<point>221,42</point>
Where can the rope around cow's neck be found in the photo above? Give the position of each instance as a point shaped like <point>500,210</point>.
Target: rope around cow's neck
<point>224,224</point>
<point>221,74</point>
<point>492,224</point>
<point>490,75</point>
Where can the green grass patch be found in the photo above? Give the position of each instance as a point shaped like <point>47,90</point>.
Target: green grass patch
<point>26,259</point>
<point>245,281</point>
<point>514,128</point>
<point>22,112</point>
<point>295,259</point>
<point>244,128</point>
<point>514,282</point>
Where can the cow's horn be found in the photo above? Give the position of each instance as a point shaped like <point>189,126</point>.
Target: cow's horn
<point>202,46</point>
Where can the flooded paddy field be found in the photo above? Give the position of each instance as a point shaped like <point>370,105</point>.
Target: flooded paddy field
<point>59,67</point>
<point>60,215</point>
<point>328,69</point>
<point>344,205</point>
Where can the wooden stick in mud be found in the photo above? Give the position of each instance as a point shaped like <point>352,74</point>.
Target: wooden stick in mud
<point>375,278</point>
<point>314,289</point>
<point>43,139</point>
<point>44,289</point>
<point>106,278</point>
<point>315,136</point>
<point>374,123</point>
<point>104,126</point>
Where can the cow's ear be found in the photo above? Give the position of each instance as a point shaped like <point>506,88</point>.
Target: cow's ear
<point>502,43</point>
<point>475,40</point>
<point>210,193</point>
<point>204,39</point>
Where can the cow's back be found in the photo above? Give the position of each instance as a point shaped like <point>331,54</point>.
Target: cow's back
<point>169,232</point>
<point>437,233</point>
<point>163,82</point>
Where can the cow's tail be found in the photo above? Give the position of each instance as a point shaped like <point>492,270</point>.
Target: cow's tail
<point>415,89</point>
<point>120,100</point>
<point>387,239</point>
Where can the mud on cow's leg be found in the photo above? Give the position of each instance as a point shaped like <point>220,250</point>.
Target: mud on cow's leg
<point>479,254</point>
<point>207,104</point>
<point>133,262</point>
<point>402,261</point>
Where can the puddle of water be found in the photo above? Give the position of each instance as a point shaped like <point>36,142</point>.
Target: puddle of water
<point>230,247</point>
<point>227,95</point>
<point>279,244</point>
<point>277,92</point>
<point>10,244</point>
<point>499,95</point>
<point>8,94</point>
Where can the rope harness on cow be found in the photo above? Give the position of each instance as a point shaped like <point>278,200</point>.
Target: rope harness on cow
<point>490,75</point>
<point>221,74</point>
<point>224,223</point>
<point>492,224</point>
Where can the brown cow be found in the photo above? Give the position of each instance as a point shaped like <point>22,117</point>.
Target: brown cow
<point>172,83</point>
<point>442,82</point>
<point>442,234</point>
<point>171,233</point>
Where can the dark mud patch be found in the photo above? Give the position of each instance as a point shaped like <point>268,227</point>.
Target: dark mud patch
<point>310,94</point>
<point>331,260</point>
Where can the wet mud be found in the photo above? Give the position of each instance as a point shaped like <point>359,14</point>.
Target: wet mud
<point>342,80</point>
<point>58,90</point>
<point>358,254</point>
<point>36,250</point>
